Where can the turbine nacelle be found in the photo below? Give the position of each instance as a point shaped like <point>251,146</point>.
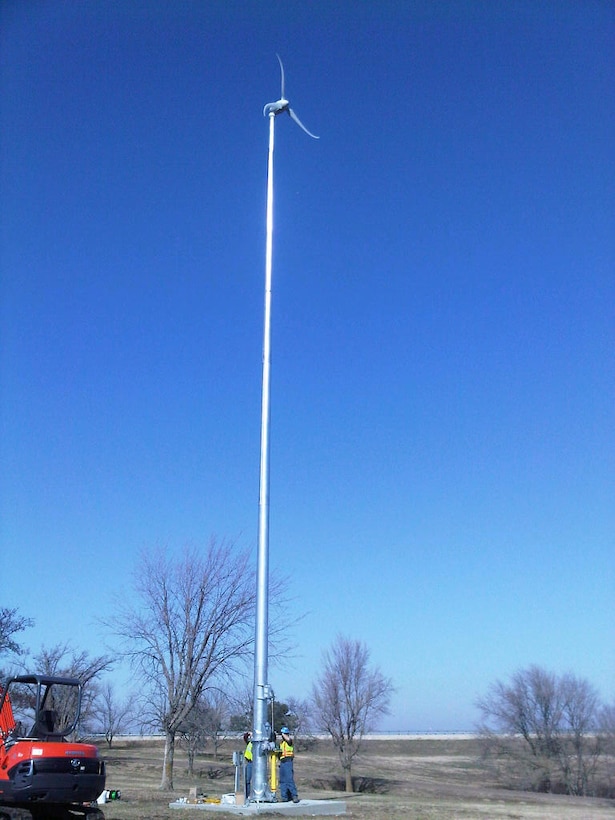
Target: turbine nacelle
<point>276,107</point>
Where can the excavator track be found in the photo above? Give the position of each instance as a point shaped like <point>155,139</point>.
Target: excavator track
<point>7,813</point>
<point>51,813</point>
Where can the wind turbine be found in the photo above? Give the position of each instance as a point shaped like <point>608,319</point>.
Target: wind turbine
<point>283,104</point>
<point>263,693</point>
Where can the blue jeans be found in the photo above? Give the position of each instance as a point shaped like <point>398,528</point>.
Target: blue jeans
<point>288,790</point>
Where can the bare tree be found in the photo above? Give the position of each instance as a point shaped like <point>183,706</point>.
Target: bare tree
<point>190,622</point>
<point>349,697</point>
<point>64,661</point>
<point>203,724</point>
<point>193,734</point>
<point>542,728</point>
<point>217,716</point>
<point>300,712</point>
<point>112,715</point>
<point>242,706</point>
<point>580,747</point>
<point>606,723</point>
<point>11,622</point>
<point>606,728</point>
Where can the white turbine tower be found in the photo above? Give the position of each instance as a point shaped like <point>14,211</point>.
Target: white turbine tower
<point>262,690</point>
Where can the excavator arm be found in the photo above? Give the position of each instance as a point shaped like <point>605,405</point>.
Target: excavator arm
<point>7,719</point>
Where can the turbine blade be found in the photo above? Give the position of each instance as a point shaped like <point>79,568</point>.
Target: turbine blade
<point>282,97</point>
<point>300,124</point>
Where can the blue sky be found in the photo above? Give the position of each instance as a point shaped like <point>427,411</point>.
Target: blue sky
<point>442,435</point>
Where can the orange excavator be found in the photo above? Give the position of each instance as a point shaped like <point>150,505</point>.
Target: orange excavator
<point>44,775</point>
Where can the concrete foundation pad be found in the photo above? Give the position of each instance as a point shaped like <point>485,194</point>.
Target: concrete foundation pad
<point>304,808</point>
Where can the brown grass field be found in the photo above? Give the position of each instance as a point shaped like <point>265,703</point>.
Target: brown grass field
<point>431,779</point>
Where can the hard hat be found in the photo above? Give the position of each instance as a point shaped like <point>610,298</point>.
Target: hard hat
<point>284,730</point>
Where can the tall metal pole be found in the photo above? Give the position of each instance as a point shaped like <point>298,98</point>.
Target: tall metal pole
<point>262,690</point>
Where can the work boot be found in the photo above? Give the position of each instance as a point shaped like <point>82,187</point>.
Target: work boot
<point>296,800</point>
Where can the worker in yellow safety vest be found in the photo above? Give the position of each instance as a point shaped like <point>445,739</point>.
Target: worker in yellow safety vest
<point>288,790</point>
<point>247,763</point>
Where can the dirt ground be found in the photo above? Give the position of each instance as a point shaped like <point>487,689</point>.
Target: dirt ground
<point>401,778</point>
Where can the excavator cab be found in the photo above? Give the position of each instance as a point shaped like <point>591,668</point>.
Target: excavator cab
<point>49,706</point>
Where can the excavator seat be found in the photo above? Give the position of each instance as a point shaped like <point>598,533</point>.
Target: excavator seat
<point>44,725</point>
